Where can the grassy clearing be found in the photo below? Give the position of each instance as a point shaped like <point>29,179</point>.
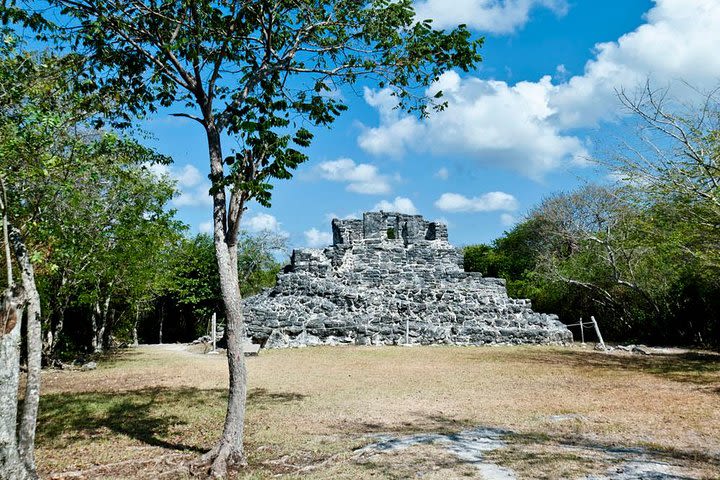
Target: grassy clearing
<point>147,410</point>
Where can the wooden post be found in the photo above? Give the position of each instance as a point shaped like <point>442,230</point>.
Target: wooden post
<point>597,330</point>
<point>214,332</point>
<point>582,332</point>
<point>162,317</point>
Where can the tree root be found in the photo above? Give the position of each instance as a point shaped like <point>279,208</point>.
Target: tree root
<point>99,469</point>
<point>215,463</point>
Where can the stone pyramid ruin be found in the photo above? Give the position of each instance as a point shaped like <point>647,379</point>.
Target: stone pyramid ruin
<point>391,279</point>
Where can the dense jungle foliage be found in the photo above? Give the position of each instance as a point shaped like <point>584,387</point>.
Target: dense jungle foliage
<point>642,253</point>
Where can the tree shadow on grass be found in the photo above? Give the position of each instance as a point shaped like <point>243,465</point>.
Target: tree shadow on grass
<point>139,414</point>
<point>151,415</point>
<point>627,452</point>
<point>106,358</point>
<point>262,396</point>
<point>698,368</point>
<point>420,424</point>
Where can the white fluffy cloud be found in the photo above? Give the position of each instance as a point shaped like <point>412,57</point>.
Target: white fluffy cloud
<point>677,42</point>
<point>360,177</point>
<point>193,189</point>
<point>487,120</point>
<point>188,176</point>
<point>399,205</point>
<point>350,216</point>
<point>497,16</point>
<point>262,222</point>
<point>194,197</point>
<point>205,227</point>
<point>315,238</point>
<point>507,220</point>
<point>530,127</point>
<point>488,202</point>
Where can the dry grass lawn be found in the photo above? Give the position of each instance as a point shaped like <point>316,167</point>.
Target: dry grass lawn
<point>146,411</point>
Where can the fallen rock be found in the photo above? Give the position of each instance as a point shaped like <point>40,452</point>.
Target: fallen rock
<point>89,366</point>
<point>642,349</point>
<point>567,417</point>
<point>251,349</point>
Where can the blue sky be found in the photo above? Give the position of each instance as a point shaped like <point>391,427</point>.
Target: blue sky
<point>520,127</point>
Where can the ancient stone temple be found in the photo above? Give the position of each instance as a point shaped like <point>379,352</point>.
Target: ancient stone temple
<point>391,278</point>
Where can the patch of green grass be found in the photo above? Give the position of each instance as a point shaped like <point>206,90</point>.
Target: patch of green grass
<point>161,417</point>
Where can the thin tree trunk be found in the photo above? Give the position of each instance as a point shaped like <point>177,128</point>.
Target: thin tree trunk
<point>11,306</point>
<point>11,463</point>
<point>58,326</point>
<point>51,336</point>
<point>56,323</point>
<point>100,323</point>
<point>109,328</point>
<point>95,319</point>
<point>48,341</point>
<point>31,402</point>
<point>135,325</point>
<point>162,317</point>
<point>229,449</point>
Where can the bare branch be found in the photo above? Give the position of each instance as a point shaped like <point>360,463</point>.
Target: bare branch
<point>190,116</point>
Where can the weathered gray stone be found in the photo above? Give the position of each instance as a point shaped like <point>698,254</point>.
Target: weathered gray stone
<point>89,366</point>
<point>391,279</point>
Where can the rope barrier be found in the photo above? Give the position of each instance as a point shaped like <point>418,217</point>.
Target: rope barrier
<point>580,324</point>
<point>591,324</point>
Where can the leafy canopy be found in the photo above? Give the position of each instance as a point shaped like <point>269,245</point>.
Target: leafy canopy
<point>263,72</point>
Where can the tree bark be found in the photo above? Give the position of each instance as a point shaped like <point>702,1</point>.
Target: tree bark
<point>28,421</point>
<point>95,319</point>
<point>229,449</point>
<point>11,312</point>
<point>55,322</point>
<point>135,326</point>
<point>100,323</point>
<point>162,317</point>
<point>12,465</point>
<point>52,335</point>
<point>109,327</point>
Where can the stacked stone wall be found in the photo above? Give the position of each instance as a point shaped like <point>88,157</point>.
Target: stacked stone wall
<point>369,289</point>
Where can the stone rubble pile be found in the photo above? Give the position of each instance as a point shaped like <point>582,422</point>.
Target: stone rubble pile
<point>391,279</point>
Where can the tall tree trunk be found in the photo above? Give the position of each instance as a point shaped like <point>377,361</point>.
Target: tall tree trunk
<point>100,323</point>
<point>56,323</point>
<point>135,326</point>
<point>162,318</point>
<point>95,321</point>
<point>109,328</point>
<point>48,340</point>
<point>229,449</point>
<point>52,336</point>
<point>31,402</point>
<point>12,465</point>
